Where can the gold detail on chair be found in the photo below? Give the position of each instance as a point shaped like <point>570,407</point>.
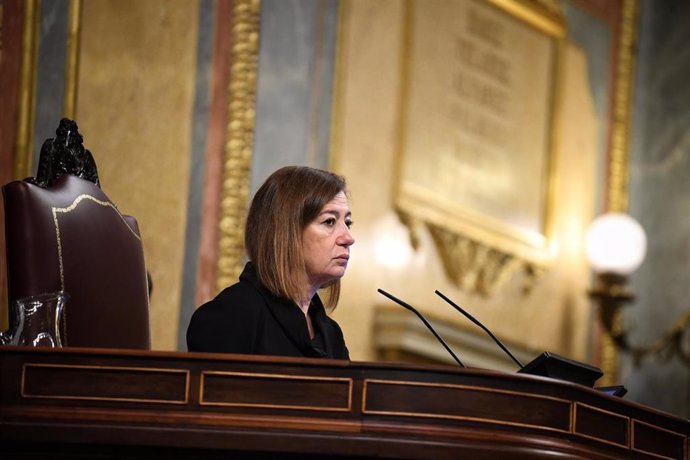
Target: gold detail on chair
<point>71,208</point>
<point>240,138</point>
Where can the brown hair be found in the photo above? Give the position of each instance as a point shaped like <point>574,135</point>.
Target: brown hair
<point>289,200</point>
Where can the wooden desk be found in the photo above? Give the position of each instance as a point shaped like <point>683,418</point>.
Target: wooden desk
<point>64,403</point>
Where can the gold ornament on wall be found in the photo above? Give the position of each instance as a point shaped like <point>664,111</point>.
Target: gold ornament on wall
<point>472,266</point>
<point>239,140</point>
<point>618,166</point>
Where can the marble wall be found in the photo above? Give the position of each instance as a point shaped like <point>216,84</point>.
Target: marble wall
<point>660,201</point>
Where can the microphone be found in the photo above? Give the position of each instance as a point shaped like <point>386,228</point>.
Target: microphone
<point>426,323</point>
<point>478,323</point>
<point>547,364</point>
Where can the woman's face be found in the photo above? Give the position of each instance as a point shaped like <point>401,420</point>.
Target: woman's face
<point>326,242</point>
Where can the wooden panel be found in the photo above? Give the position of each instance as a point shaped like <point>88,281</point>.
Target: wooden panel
<point>276,391</point>
<point>104,383</point>
<point>601,425</point>
<point>657,441</point>
<point>460,402</point>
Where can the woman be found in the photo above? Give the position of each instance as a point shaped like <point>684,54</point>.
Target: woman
<point>298,241</point>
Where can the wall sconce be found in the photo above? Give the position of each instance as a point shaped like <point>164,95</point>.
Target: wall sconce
<point>616,245</point>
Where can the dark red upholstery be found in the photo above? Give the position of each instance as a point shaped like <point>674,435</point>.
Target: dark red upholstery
<point>71,237</point>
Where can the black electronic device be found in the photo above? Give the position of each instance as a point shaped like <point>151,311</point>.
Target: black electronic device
<point>557,367</point>
<point>614,390</point>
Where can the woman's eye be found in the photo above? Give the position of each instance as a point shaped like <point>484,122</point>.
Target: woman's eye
<point>348,223</point>
<point>330,222</point>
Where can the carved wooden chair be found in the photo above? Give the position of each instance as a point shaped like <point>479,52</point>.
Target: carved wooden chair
<point>64,234</point>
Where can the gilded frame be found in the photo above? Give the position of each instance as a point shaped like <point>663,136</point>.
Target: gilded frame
<point>478,250</point>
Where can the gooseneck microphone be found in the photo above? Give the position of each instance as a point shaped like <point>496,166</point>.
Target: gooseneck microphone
<point>426,323</point>
<point>548,364</point>
<point>478,323</point>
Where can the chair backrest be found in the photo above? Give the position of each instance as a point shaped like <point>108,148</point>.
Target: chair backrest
<point>69,236</point>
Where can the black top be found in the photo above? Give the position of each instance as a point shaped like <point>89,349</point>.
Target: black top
<point>247,318</point>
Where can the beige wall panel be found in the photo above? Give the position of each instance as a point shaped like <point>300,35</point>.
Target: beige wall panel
<point>135,98</point>
<point>556,315</point>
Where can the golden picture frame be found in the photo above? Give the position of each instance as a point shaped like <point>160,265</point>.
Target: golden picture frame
<point>476,132</point>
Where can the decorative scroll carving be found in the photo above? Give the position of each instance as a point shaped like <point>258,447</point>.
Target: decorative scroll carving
<point>471,265</point>
<point>65,154</point>
<point>240,139</point>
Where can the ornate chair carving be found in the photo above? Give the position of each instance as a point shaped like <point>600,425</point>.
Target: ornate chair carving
<point>64,233</point>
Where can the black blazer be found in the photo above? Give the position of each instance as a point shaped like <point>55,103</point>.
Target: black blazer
<point>246,318</point>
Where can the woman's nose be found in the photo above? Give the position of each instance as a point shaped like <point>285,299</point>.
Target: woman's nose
<point>346,238</point>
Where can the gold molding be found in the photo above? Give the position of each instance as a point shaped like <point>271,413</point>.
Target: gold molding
<point>622,108</point>
<point>620,132</point>
<point>619,159</point>
<point>72,62</point>
<point>237,160</point>
<point>545,15</point>
<point>27,89</point>
<point>338,91</point>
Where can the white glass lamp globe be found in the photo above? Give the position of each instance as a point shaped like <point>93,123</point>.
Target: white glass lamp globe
<point>615,243</point>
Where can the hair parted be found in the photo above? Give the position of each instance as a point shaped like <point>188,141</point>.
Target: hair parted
<point>287,202</point>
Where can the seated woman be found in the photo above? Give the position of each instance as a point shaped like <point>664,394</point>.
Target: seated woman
<point>298,239</point>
